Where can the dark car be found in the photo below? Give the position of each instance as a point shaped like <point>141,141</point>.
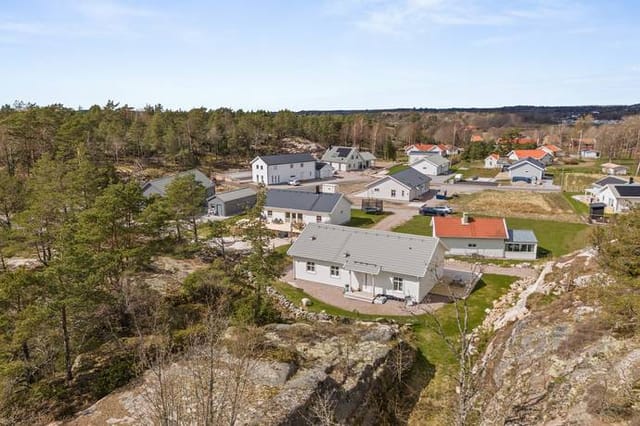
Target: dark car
<point>430,211</point>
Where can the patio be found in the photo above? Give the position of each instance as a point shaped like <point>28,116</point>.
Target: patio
<point>335,296</point>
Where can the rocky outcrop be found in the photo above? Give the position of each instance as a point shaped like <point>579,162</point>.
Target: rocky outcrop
<point>297,374</point>
<point>553,360</point>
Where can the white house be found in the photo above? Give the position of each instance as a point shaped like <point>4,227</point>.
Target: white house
<point>433,165</point>
<point>493,161</point>
<point>528,169</point>
<point>405,185</point>
<point>589,153</point>
<point>323,170</point>
<point>345,158</point>
<point>365,263</point>
<point>597,186</point>
<point>552,149</point>
<point>619,198</point>
<point>280,169</point>
<point>484,236</point>
<point>289,210</point>
<point>537,154</point>
<point>158,187</point>
<point>614,169</point>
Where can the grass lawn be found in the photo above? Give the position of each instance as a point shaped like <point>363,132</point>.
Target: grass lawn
<point>397,168</point>
<point>554,238</point>
<point>475,171</point>
<point>579,207</point>
<point>417,225</point>
<point>360,219</point>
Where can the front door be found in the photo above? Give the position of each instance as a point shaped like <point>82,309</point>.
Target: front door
<point>366,284</point>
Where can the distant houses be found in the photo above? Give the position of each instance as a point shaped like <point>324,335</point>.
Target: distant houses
<point>343,158</point>
<point>494,161</point>
<point>432,165</point>
<point>589,153</point>
<point>484,236</point>
<point>366,263</point>
<point>537,154</point>
<point>158,187</point>
<point>614,169</point>
<point>404,185</point>
<point>282,168</point>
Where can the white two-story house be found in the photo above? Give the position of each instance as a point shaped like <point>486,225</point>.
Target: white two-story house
<point>280,169</point>
<point>288,210</point>
<point>348,158</point>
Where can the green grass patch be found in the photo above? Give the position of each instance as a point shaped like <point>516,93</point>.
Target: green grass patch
<point>397,168</point>
<point>360,219</point>
<point>417,225</point>
<point>554,238</point>
<point>580,207</point>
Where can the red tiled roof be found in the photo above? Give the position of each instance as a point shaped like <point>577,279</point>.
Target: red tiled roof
<point>495,155</point>
<point>426,147</point>
<point>477,138</point>
<point>533,153</point>
<point>478,227</point>
<point>551,147</point>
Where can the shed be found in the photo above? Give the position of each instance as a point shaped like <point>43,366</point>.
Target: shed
<point>596,210</point>
<point>231,203</point>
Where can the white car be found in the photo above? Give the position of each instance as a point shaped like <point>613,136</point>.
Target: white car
<point>294,182</point>
<point>443,209</point>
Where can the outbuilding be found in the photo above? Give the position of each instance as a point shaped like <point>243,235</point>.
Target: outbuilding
<point>433,165</point>
<point>405,185</point>
<point>232,203</point>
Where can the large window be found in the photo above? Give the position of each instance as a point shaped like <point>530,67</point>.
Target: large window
<point>398,284</point>
<point>335,272</point>
<point>319,219</point>
<point>269,213</point>
<point>311,267</point>
<point>515,247</point>
<point>393,192</point>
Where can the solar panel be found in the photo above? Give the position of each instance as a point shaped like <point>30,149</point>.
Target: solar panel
<point>628,190</point>
<point>343,152</point>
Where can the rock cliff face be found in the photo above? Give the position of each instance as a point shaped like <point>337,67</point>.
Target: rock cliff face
<point>339,372</point>
<point>558,364</point>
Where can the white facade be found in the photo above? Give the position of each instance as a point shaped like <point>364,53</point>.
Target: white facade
<point>285,218</point>
<point>608,197</point>
<point>353,161</point>
<point>391,189</point>
<point>276,174</point>
<point>491,162</point>
<point>527,170</point>
<point>487,247</point>
<point>427,167</point>
<point>589,153</point>
<point>392,284</point>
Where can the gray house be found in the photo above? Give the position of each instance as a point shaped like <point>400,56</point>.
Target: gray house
<point>405,185</point>
<point>528,169</point>
<point>231,203</point>
<point>159,186</point>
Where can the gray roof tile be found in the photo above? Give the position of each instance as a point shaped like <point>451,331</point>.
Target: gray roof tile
<point>530,160</point>
<point>235,194</point>
<point>302,200</point>
<point>522,236</point>
<point>365,249</point>
<point>273,160</point>
<point>411,177</point>
<point>160,185</point>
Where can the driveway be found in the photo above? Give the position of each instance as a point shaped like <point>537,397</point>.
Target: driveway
<point>399,216</point>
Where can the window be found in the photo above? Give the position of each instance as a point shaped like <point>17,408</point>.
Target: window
<point>471,245</point>
<point>335,272</point>
<point>291,166</point>
<point>403,192</point>
<point>301,164</point>
<point>269,213</point>
<point>287,216</point>
<point>319,219</point>
<point>393,192</point>
<point>398,284</point>
<point>311,267</point>
<point>376,189</point>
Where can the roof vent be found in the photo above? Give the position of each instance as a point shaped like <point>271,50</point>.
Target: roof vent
<point>465,218</point>
<point>347,254</point>
<point>313,238</point>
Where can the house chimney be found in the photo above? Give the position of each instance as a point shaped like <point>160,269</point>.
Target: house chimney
<point>465,218</point>
<point>318,190</point>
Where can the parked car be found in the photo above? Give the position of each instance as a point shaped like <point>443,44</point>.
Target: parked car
<point>430,211</point>
<point>294,182</point>
<point>444,209</point>
<point>380,299</point>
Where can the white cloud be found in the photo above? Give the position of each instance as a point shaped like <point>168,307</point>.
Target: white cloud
<point>405,16</point>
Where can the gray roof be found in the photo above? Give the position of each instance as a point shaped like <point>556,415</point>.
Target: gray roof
<point>320,165</point>
<point>338,154</point>
<point>630,190</point>
<point>435,159</point>
<point>302,200</point>
<point>367,156</point>
<point>159,186</point>
<point>610,180</point>
<point>410,177</point>
<point>273,160</point>
<point>529,160</point>
<point>236,194</point>
<point>522,236</point>
<point>366,250</point>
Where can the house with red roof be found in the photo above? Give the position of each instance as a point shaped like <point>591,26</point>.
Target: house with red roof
<point>551,149</point>
<point>494,161</point>
<point>538,154</point>
<point>484,236</point>
<point>477,138</point>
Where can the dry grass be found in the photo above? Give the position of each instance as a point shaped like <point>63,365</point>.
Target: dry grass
<point>533,205</point>
<point>577,182</point>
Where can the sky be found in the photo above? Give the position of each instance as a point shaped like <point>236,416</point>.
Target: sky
<point>320,54</point>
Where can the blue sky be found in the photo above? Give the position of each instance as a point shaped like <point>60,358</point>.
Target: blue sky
<point>320,54</point>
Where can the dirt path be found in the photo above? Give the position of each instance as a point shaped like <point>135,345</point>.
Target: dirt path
<point>397,218</point>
